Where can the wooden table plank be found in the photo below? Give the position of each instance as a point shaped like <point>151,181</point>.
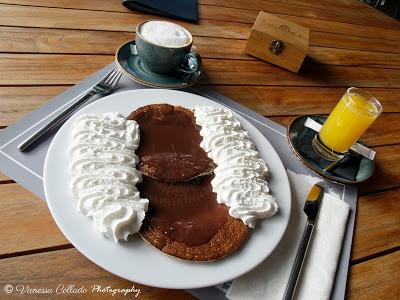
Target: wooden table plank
<point>257,4</point>
<point>363,17</point>
<point>94,42</point>
<point>337,40</point>
<point>224,72</point>
<point>69,267</point>
<point>345,28</point>
<point>377,224</point>
<point>34,69</point>
<point>376,279</point>
<point>345,57</point>
<point>43,40</point>
<point>387,170</point>
<point>19,101</point>
<point>384,131</point>
<point>100,5</point>
<point>230,14</point>
<point>278,100</point>
<point>26,222</point>
<point>15,15</point>
<point>3,177</point>
<point>28,69</point>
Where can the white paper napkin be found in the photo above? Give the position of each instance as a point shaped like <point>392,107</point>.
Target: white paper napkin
<point>269,279</point>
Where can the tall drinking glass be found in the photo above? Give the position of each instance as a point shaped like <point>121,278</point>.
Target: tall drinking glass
<point>347,122</point>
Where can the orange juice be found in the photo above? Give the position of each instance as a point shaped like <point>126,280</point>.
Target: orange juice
<point>353,114</point>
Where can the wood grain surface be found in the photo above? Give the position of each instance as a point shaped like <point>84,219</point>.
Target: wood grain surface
<point>69,267</point>
<point>376,279</point>
<point>3,178</point>
<point>55,69</point>
<point>46,46</point>
<point>30,210</point>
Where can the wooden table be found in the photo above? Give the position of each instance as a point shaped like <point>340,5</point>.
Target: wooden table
<point>48,45</point>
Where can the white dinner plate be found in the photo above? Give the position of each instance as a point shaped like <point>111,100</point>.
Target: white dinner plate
<point>135,260</point>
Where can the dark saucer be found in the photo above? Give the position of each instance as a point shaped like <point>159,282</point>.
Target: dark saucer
<point>128,61</point>
<point>354,169</point>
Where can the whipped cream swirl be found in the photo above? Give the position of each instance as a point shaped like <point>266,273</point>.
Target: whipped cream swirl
<point>240,175</point>
<point>103,167</point>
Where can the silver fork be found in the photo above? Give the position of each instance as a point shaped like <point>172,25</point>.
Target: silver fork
<point>105,86</point>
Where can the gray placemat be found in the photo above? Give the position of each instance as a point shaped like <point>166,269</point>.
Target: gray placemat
<point>27,168</point>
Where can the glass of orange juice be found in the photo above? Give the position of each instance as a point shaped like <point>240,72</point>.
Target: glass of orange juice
<point>347,122</point>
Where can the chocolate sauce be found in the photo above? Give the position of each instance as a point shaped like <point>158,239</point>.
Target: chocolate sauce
<point>170,144</point>
<point>173,135</point>
<point>185,166</point>
<point>186,212</point>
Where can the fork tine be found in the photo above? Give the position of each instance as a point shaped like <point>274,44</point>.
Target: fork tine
<point>116,80</point>
<point>111,78</point>
<point>108,76</point>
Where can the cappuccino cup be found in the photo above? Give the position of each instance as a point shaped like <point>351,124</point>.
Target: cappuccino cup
<point>165,47</point>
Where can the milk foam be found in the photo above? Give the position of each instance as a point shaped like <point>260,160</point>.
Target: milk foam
<point>165,34</point>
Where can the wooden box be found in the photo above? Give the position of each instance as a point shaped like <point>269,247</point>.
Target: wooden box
<point>278,41</point>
